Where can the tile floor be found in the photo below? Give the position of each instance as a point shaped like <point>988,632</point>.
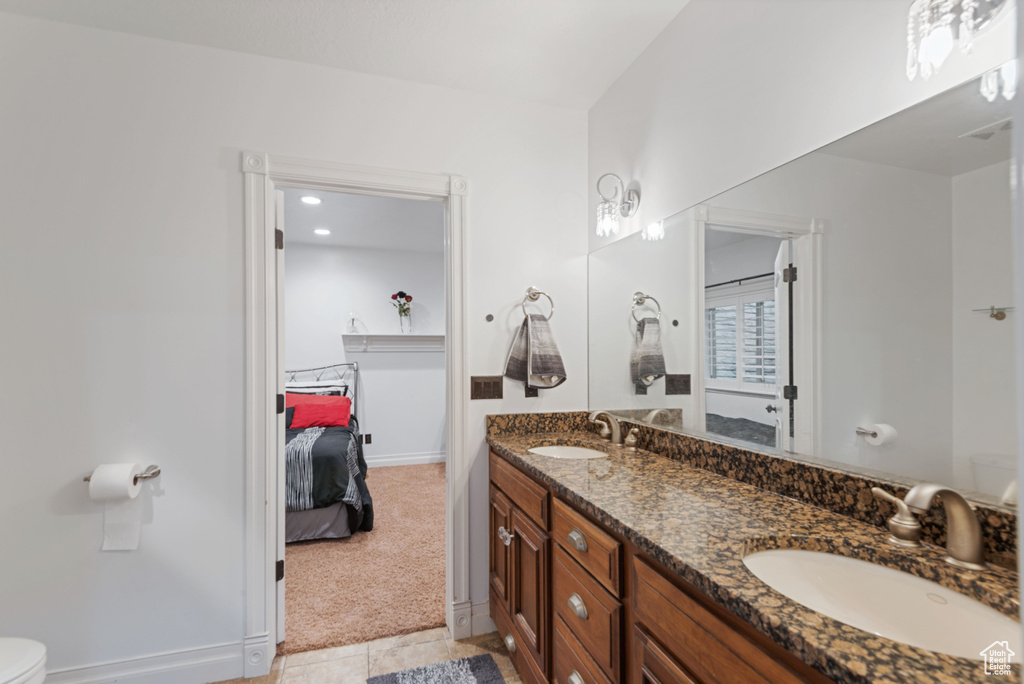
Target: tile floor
<point>354,664</point>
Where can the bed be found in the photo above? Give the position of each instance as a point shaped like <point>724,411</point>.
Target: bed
<point>326,496</point>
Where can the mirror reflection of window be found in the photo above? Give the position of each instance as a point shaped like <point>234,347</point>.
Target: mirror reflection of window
<point>740,337</point>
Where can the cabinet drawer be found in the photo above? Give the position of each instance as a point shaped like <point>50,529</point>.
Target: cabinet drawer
<point>598,627</point>
<point>570,657</point>
<point>529,496</point>
<point>652,665</point>
<point>708,647</point>
<point>592,547</point>
<point>527,669</point>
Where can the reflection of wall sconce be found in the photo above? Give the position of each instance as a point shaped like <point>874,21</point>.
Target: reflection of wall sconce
<point>1007,73</point>
<point>931,25</point>
<point>621,203</point>
<point>655,231</point>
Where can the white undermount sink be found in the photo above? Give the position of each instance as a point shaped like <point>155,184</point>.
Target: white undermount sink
<point>571,452</point>
<point>892,604</point>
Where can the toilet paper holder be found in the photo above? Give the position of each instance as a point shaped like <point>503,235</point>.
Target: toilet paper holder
<point>148,474</point>
<point>867,433</point>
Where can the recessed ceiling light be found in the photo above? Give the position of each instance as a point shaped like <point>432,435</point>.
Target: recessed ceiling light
<point>309,199</point>
<point>322,231</point>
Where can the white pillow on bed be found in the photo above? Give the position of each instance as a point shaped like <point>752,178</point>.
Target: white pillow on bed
<point>329,388</point>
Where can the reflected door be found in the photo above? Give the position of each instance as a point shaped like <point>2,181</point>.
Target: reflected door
<point>783,348</point>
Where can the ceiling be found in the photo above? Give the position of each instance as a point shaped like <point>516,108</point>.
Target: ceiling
<point>931,136</point>
<point>561,52</point>
<point>364,221</point>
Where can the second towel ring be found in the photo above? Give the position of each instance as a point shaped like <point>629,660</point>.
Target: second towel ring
<point>533,294</point>
<point>639,299</point>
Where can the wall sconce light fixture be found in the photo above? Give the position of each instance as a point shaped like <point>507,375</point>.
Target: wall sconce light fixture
<point>621,203</point>
<point>931,25</point>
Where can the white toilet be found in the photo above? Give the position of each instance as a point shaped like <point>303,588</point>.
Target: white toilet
<point>22,661</point>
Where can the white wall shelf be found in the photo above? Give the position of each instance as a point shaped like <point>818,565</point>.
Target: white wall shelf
<point>392,343</point>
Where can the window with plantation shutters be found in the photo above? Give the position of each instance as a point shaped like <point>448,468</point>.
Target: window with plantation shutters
<point>740,340</point>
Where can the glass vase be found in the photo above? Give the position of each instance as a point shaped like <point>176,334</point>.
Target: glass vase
<point>405,323</point>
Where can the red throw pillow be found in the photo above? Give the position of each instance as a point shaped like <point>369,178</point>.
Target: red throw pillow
<point>334,414</point>
<point>294,399</point>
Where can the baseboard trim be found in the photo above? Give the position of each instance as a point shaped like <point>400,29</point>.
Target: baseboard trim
<point>482,622</point>
<point>191,666</point>
<point>462,620</point>
<point>404,459</point>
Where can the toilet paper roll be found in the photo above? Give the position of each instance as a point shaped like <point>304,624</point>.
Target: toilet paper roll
<point>884,434</point>
<point>115,485</point>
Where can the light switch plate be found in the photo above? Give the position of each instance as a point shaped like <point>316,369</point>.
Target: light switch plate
<point>486,386</point>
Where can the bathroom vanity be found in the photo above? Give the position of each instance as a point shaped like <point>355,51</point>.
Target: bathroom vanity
<point>629,568</point>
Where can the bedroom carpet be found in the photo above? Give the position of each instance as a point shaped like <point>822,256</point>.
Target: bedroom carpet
<point>376,584</point>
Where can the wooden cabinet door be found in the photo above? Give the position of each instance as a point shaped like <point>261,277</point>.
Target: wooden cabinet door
<point>652,665</point>
<point>500,553</point>
<point>529,581</point>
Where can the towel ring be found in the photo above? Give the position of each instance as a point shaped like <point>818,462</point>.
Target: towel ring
<point>533,294</point>
<point>639,299</point>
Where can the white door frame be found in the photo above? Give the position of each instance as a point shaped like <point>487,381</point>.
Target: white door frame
<point>806,234</point>
<point>263,173</point>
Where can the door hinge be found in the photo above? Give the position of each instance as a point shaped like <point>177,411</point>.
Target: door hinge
<point>280,403</point>
<point>279,238</point>
<point>789,274</point>
<point>280,570</point>
<point>789,392</point>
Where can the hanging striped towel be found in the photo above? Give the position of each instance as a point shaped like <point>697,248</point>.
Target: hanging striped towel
<point>534,359</point>
<point>647,363</point>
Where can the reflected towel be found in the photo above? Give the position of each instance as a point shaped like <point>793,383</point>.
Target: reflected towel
<point>647,363</point>
<point>534,359</point>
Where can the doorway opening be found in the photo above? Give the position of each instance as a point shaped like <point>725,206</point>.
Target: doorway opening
<point>757,285</point>
<point>364,438</point>
<point>741,349</point>
<point>265,487</point>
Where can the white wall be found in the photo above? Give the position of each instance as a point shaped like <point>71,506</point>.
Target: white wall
<point>733,88</point>
<point>741,259</point>
<point>984,364</point>
<point>123,290</point>
<point>401,394</point>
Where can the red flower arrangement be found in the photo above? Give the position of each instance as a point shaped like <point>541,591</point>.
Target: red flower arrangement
<point>401,301</point>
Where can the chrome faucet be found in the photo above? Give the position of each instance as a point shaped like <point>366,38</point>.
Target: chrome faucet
<point>596,417</point>
<point>964,542</point>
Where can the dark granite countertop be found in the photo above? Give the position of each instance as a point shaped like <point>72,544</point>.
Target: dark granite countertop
<point>700,525</point>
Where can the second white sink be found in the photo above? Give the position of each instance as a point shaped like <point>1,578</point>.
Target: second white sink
<point>890,603</point>
<point>561,451</point>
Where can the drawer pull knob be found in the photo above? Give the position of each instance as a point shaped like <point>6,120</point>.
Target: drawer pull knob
<point>578,607</point>
<point>578,541</point>
<point>510,644</point>
<point>505,536</point>
<point>574,678</point>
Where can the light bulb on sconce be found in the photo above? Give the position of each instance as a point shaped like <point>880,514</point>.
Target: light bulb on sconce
<point>655,231</point>
<point>622,202</point>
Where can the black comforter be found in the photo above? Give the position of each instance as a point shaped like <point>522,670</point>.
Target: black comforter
<point>331,476</point>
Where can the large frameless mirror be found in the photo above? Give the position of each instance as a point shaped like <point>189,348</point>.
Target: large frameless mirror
<point>852,307</point>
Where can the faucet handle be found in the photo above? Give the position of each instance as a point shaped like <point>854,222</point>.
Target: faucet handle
<point>631,439</point>
<point>606,432</point>
<point>904,529</point>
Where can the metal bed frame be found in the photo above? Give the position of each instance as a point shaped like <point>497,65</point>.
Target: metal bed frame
<point>344,373</point>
